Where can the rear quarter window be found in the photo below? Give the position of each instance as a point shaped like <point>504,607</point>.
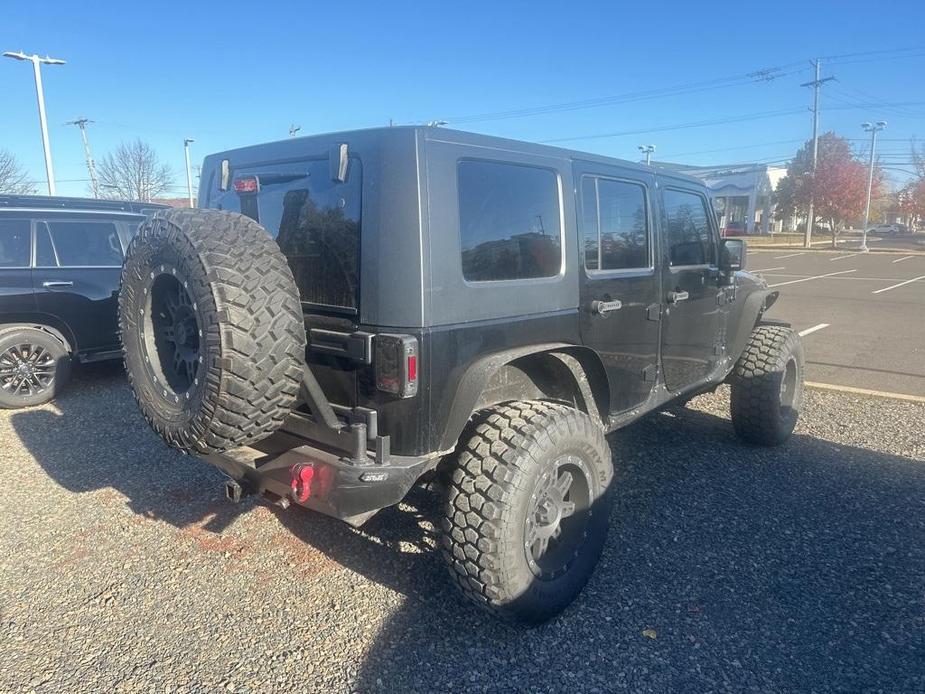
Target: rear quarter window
<point>509,221</point>
<point>15,243</point>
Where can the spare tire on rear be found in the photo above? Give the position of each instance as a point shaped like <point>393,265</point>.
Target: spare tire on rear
<point>212,329</point>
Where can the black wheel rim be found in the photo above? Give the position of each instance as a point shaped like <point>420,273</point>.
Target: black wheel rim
<point>176,333</point>
<point>556,524</point>
<point>27,370</point>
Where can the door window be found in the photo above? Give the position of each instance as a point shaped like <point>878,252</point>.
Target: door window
<point>86,244</point>
<point>687,227</point>
<point>615,224</point>
<point>15,243</point>
<point>509,221</point>
<point>44,250</point>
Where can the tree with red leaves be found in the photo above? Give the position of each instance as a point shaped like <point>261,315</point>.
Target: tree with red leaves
<point>839,187</point>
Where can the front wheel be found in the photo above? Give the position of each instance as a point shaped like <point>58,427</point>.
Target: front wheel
<point>528,509</point>
<point>767,386</point>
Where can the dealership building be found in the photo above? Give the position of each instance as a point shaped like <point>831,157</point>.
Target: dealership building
<point>742,194</point>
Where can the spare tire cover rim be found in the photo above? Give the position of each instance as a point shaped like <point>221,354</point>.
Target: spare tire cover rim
<point>171,334</point>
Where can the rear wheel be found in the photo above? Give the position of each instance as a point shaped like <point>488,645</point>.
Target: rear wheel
<point>34,367</point>
<point>767,386</point>
<point>528,509</point>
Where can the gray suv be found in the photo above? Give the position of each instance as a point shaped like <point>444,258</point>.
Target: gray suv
<point>357,311</point>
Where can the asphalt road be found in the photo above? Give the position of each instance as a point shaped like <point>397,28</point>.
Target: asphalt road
<point>868,311</point>
<point>764,570</point>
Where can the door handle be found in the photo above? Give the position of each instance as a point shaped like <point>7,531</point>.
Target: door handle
<point>602,308</point>
<point>675,297</point>
<point>57,284</point>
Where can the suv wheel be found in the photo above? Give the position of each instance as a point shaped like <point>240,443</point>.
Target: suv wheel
<point>34,367</point>
<point>212,330</point>
<point>528,509</point>
<point>767,386</point>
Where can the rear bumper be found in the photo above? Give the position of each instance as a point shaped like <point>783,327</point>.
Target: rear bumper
<point>338,488</point>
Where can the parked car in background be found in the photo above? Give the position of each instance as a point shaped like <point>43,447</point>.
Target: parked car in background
<point>60,260</point>
<point>889,229</point>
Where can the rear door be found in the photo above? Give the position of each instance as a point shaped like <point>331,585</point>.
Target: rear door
<point>76,277</point>
<point>16,295</point>
<point>315,218</point>
<point>620,290</point>
<point>691,343</point>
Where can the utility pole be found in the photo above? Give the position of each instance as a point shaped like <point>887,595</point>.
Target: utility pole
<point>647,150</point>
<point>37,62</point>
<point>293,129</point>
<point>189,173</point>
<point>815,84</point>
<point>873,129</point>
<point>91,168</point>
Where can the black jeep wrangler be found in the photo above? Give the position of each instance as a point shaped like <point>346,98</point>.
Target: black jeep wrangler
<point>359,309</point>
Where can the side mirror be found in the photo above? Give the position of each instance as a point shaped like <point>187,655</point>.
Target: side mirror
<point>732,257</point>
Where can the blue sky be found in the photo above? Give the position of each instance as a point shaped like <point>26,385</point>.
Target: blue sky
<point>236,73</point>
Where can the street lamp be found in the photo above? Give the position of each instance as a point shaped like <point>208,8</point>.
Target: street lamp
<point>36,69</point>
<point>189,173</point>
<point>647,150</point>
<point>873,129</point>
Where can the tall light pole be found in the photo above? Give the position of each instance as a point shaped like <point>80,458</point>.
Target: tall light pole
<point>815,84</point>
<point>37,71</point>
<point>873,129</point>
<point>189,173</point>
<point>647,150</point>
<point>94,181</point>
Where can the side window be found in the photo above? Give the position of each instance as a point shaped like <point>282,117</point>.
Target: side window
<point>687,229</point>
<point>509,221</point>
<point>615,224</point>
<point>15,242</point>
<point>44,251</point>
<point>86,243</point>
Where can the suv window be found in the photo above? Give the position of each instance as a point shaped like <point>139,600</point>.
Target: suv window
<point>615,224</point>
<point>319,228</point>
<point>690,239</point>
<point>15,242</point>
<point>86,243</point>
<point>509,221</point>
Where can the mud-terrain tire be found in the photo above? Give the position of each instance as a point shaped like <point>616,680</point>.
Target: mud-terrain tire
<point>212,329</point>
<point>516,471</point>
<point>767,386</point>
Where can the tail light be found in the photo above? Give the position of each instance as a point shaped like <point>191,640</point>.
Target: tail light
<point>246,184</point>
<point>397,368</point>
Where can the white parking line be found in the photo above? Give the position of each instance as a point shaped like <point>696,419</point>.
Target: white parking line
<point>804,333</point>
<point>864,391</point>
<point>768,269</point>
<point>901,284</point>
<point>814,277</point>
<point>899,260</point>
<point>792,255</point>
<point>842,257</point>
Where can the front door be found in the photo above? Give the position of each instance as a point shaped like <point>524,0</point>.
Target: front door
<point>690,288</point>
<point>620,292</point>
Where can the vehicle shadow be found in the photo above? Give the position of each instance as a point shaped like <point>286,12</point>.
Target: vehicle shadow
<point>728,567</point>
<point>93,437</point>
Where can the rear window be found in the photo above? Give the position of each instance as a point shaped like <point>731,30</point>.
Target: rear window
<point>509,221</point>
<point>86,243</point>
<point>15,242</point>
<point>317,221</point>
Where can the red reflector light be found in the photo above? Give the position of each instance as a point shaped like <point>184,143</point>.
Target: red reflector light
<point>301,482</point>
<point>412,367</point>
<point>248,184</point>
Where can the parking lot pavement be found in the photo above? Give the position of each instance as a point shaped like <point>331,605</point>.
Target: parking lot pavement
<point>791,569</point>
<point>866,313</point>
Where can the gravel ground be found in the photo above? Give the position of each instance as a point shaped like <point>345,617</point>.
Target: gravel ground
<point>729,568</point>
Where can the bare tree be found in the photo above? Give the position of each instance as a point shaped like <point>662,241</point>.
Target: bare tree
<point>13,178</point>
<point>134,172</point>
<point>918,158</point>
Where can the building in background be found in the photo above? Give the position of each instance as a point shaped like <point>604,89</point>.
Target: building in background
<point>743,195</point>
